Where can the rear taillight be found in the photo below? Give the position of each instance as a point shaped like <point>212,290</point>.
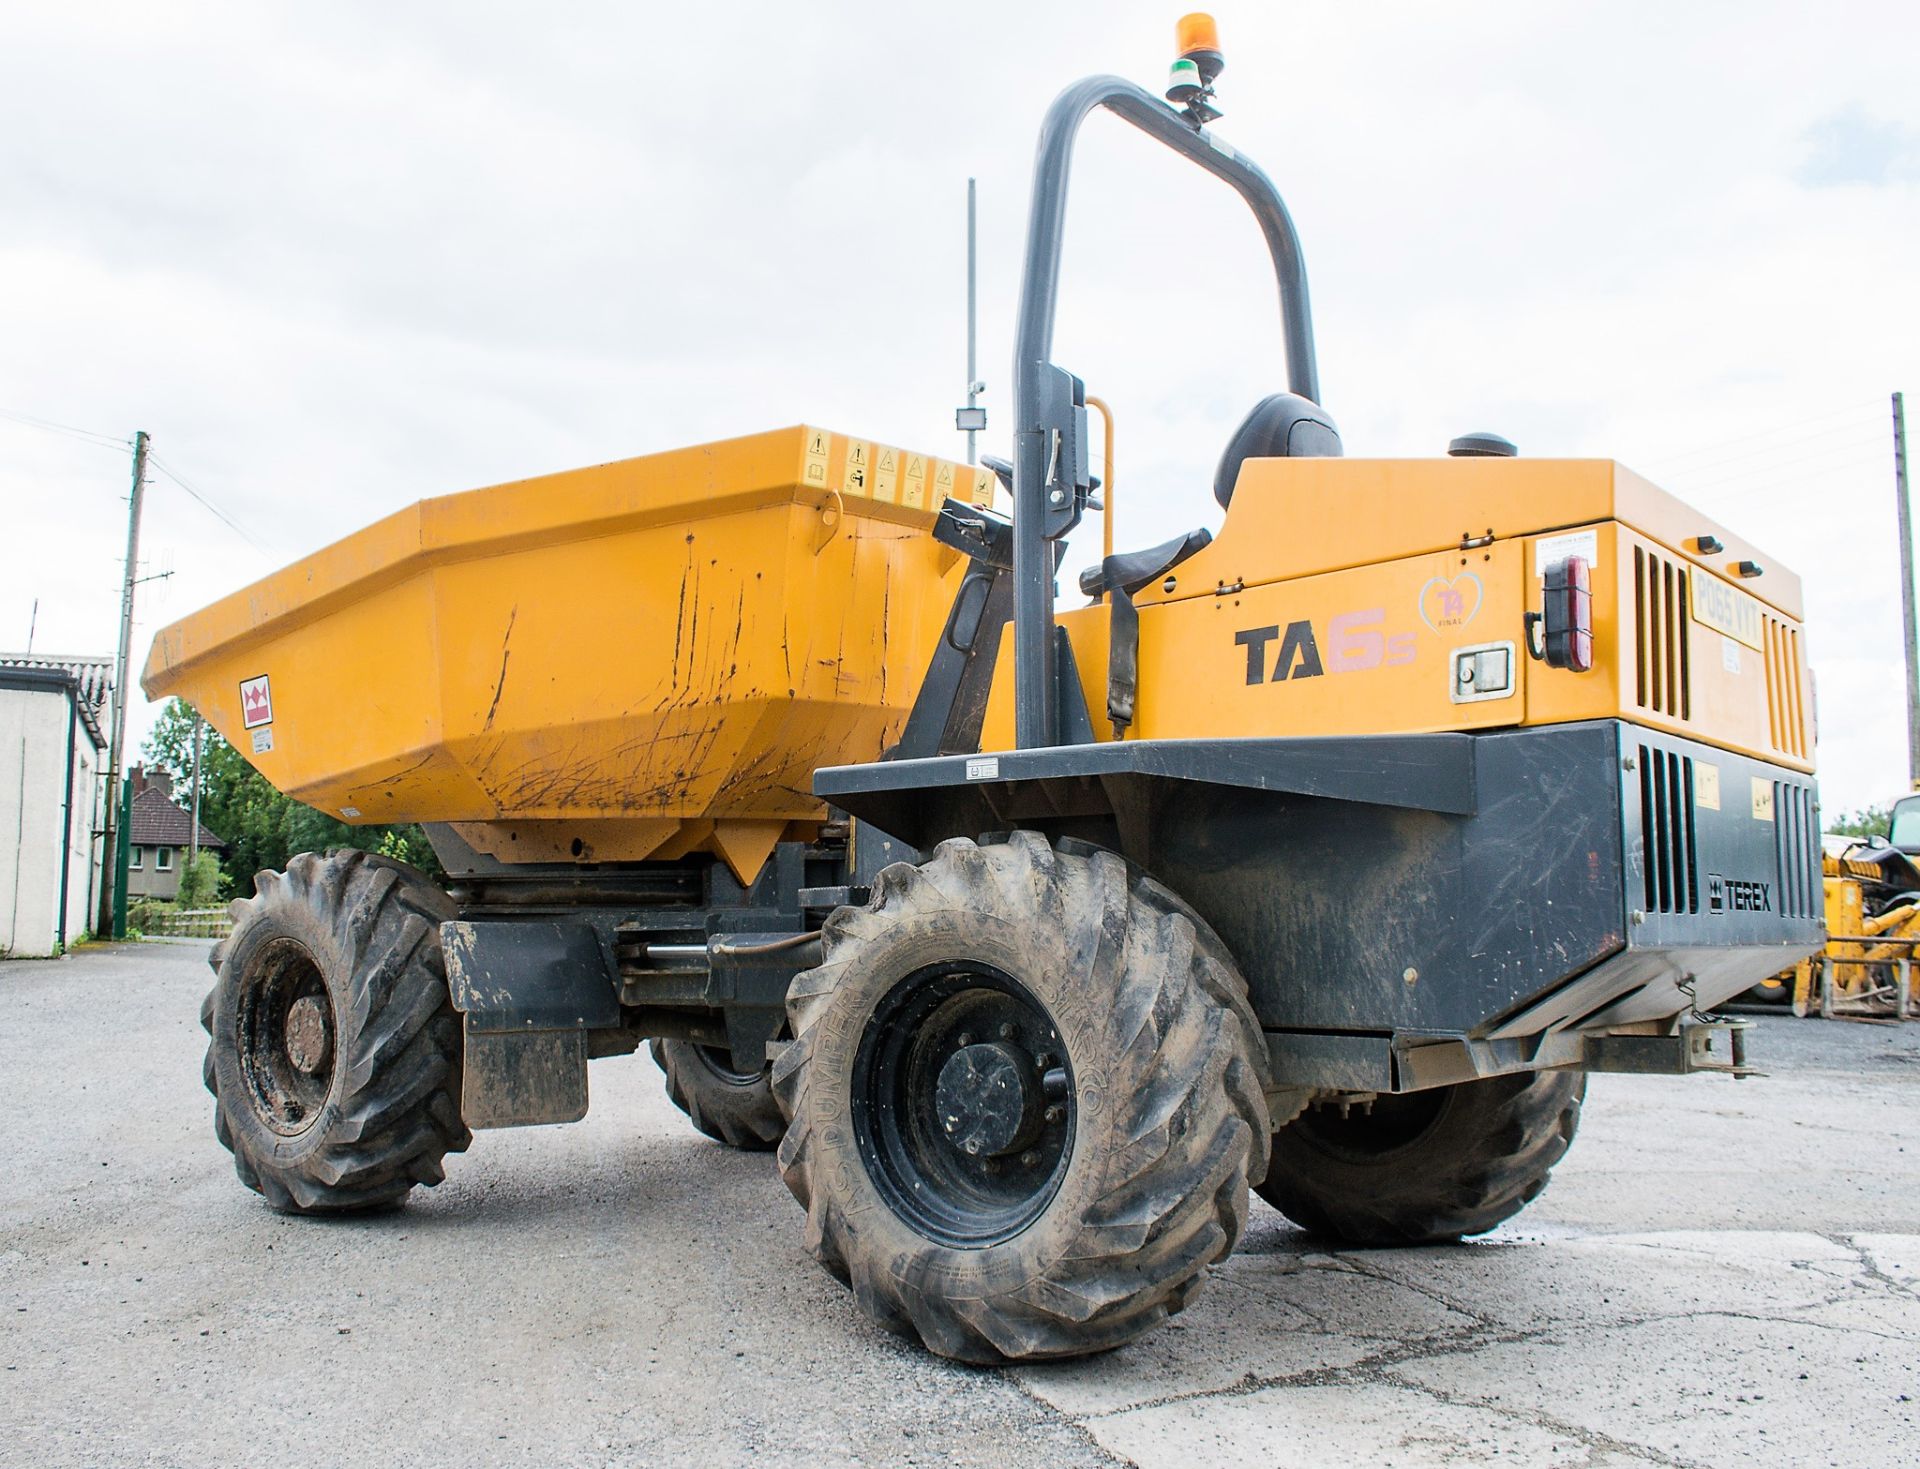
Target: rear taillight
<point>1566,621</point>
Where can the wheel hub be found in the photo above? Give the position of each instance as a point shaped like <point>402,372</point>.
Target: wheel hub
<point>284,1036</point>
<point>988,1097</point>
<point>309,1043</point>
<point>963,1103</point>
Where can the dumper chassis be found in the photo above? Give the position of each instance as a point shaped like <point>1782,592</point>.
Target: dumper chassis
<point>1029,1020</point>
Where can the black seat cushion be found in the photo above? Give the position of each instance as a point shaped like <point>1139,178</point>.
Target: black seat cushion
<point>1284,426</point>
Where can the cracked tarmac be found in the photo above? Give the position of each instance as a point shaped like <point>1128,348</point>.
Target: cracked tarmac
<point>1722,1273</point>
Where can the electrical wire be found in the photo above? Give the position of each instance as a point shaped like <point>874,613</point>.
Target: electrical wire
<point>1797,421</point>
<point>212,509</point>
<point>1811,463</point>
<point>1858,431</point>
<point>104,441</point>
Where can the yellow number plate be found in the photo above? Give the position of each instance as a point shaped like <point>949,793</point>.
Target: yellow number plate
<point>1725,610</point>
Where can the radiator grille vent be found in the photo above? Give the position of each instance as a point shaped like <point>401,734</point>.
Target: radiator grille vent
<point>1786,698</point>
<point>1671,864</point>
<point>1796,838</point>
<point>1662,619</point>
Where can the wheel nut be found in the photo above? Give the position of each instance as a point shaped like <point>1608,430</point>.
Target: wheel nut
<point>1006,1032</point>
<point>1055,1113</point>
<point>964,1039</point>
<point>973,1145</point>
<point>1029,1158</point>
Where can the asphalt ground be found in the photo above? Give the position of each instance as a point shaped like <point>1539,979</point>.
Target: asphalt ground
<point>1721,1273</point>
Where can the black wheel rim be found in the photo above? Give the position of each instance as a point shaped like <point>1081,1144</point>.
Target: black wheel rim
<point>1378,1131</point>
<point>963,1104</point>
<point>285,1037</point>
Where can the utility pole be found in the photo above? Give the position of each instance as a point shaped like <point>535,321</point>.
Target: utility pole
<point>1907,631</point>
<point>193,834</point>
<point>113,902</point>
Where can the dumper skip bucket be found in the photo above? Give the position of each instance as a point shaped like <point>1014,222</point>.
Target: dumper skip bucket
<point>640,660</point>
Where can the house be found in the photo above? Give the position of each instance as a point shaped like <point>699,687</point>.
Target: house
<point>159,836</point>
<point>54,713</point>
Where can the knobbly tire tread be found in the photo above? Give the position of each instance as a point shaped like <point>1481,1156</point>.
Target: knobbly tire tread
<point>744,1117</point>
<point>1170,1074</point>
<point>1483,1159</point>
<point>392,1112</point>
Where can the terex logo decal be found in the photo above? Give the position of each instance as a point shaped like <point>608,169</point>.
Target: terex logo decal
<point>1354,642</point>
<point>1736,895</point>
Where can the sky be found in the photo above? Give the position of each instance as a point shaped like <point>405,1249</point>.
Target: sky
<point>337,258</point>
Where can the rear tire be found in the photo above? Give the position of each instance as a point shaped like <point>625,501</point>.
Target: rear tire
<point>1425,1166</point>
<point>1775,990</point>
<point>334,1059</point>
<point>1027,1098</point>
<point>730,1107</point>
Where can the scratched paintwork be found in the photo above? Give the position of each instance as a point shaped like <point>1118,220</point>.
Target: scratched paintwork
<point>647,658</point>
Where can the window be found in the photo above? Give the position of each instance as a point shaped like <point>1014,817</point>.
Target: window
<point>1906,824</point>
<point>138,858</point>
<point>163,859</point>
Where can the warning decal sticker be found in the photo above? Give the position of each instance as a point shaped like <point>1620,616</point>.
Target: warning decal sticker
<point>814,470</point>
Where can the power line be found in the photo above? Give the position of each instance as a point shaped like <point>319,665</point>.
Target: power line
<point>1797,421</point>
<point>105,441</point>
<point>1765,451</point>
<point>1767,472</point>
<point>212,509</point>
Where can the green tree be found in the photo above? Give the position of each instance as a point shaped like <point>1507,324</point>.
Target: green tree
<point>261,827</point>
<point>1873,821</point>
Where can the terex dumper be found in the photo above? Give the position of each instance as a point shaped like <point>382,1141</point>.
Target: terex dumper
<point>1323,857</point>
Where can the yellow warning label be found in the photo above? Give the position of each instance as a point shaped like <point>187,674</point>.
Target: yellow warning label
<point>1706,785</point>
<point>983,487</point>
<point>858,476</point>
<point>1762,799</point>
<point>913,489</point>
<point>943,480</point>
<point>886,474</point>
<point>813,462</point>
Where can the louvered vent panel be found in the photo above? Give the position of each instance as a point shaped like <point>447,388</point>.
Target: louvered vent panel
<point>1663,625</point>
<point>1786,694</point>
<point>1796,838</point>
<point>1671,867</point>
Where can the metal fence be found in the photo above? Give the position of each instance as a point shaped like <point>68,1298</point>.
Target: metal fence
<point>188,923</point>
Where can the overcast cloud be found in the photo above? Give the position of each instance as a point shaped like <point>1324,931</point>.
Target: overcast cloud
<point>335,258</point>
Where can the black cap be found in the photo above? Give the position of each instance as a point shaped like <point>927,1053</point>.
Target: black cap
<point>1482,446</point>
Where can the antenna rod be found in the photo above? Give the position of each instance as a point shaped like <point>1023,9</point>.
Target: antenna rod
<point>973,374</point>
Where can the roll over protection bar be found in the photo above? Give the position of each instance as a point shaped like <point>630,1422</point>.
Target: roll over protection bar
<point>1049,479</point>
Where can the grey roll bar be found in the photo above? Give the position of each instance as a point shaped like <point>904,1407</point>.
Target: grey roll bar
<point>1043,404</point>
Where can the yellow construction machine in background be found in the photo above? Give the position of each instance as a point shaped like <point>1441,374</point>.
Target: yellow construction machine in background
<point>1873,929</point>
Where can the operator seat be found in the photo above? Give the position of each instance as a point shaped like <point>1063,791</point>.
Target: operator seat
<point>1284,426</point>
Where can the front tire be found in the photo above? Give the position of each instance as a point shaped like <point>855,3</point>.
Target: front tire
<point>1428,1166</point>
<point>1026,1096</point>
<point>334,1051</point>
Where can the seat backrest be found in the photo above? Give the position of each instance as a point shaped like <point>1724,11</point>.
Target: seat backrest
<point>1284,426</point>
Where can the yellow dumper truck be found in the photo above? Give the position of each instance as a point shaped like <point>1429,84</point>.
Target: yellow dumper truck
<point>1322,856</point>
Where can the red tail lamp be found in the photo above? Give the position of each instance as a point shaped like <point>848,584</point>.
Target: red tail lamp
<point>1566,621</point>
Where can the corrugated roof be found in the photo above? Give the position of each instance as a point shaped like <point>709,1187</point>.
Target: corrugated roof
<point>157,822</point>
<point>92,677</point>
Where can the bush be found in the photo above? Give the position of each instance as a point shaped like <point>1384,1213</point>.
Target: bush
<point>202,882</point>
